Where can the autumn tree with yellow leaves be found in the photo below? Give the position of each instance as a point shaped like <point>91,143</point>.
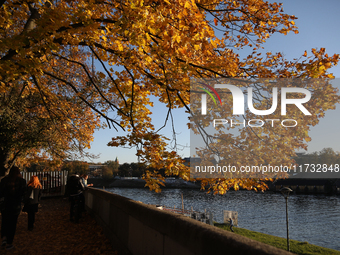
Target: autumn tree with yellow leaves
<point>144,48</point>
<point>33,128</point>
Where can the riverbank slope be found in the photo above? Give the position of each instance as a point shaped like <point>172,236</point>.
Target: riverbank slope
<point>296,247</point>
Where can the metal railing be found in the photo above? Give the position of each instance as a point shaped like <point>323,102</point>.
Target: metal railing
<point>206,217</point>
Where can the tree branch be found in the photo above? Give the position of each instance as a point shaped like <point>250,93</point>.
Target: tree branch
<point>110,76</point>
<point>85,101</point>
<point>91,80</point>
<point>2,3</point>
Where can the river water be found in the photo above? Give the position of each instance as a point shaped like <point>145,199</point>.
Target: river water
<point>312,218</point>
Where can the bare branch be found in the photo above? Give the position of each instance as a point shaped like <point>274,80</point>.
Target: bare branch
<point>92,82</point>
<point>85,101</point>
<point>132,97</point>
<point>110,76</point>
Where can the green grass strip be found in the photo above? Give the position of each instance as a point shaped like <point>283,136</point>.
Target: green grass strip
<point>296,247</point>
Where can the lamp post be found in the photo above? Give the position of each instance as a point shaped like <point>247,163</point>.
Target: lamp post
<point>285,192</point>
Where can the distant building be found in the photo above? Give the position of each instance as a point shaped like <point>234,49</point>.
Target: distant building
<point>192,160</point>
<point>96,170</point>
<point>309,186</point>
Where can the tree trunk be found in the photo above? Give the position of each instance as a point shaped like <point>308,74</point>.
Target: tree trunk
<point>4,160</point>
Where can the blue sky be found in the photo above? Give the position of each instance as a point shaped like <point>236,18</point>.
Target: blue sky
<point>318,23</point>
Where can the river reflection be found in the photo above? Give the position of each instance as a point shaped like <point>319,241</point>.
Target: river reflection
<point>312,218</point>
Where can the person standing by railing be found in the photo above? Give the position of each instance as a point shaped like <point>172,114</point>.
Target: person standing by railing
<point>84,178</point>
<point>74,190</point>
<point>32,200</point>
<point>12,188</point>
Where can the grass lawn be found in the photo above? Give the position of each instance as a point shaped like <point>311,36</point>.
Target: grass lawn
<point>296,247</point>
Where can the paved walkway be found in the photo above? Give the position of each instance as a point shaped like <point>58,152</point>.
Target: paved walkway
<point>54,233</point>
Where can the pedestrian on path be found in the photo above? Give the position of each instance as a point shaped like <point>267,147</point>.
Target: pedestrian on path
<point>74,190</point>
<point>32,200</point>
<point>12,189</point>
<point>84,178</point>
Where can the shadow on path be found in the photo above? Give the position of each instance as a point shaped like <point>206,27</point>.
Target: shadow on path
<point>54,233</point>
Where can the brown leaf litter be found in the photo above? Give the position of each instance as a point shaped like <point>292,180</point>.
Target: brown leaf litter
<point>54,233</point>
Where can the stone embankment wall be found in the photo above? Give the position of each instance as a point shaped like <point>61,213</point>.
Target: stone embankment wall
<point>137,228</point>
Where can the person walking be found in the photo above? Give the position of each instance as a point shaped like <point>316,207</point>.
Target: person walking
<point>12,189</point>
<point>231,222</point>
<point>32,200</point>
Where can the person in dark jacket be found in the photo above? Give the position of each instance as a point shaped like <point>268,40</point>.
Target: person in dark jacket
<point>74,190</point>
<point>32,200</point>
<point>12,188</point>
